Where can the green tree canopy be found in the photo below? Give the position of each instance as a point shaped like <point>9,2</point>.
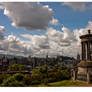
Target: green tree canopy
<point>15,80</point>
<point>40,70</point>
<point>17,67</point>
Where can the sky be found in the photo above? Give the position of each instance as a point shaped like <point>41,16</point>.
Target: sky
<point>38,29</point>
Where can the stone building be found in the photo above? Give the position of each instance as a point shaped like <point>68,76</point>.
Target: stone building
<point>86,45</point>
<point>84,68</point>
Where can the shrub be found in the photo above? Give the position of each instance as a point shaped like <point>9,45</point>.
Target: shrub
<point>18,76</point>
<point>13,83</point>
<point>46,81</point>
<point>8,81</point>
<point>3,77</point>
<point>16,84</point>
<point>27,80</point>
<point>51,80</point>
<point>36,82</point>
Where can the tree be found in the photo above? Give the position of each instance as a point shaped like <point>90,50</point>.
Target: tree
<point>3,77</point>
<point>40,70</point>
<point>17,67</point>
<point>39,74</point>
<point>14,81</point>
<point>27,80</point>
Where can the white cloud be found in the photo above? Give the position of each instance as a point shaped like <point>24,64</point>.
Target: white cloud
<point>54,42</point>
<point>2,30</point>
<point>54,22</point>
<point>83,31</point>
<point>38,42</point>
<point>63,38</point>
<point>31,15</point>
<point>81,6</point>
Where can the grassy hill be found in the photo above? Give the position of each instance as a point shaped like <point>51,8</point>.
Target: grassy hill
<point>66,83</point>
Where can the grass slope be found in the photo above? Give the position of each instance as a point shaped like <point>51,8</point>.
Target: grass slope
<point>66,83</point>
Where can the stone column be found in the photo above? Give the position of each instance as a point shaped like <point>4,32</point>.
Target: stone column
<point>82,51</point>
<point>88,50</point>
<point>91,50</point>
<point>88,77</point>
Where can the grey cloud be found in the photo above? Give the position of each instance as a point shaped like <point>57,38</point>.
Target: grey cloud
<point>31,15</point>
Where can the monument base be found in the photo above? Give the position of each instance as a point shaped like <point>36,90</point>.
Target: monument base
<point>84,72</point>
<point>84,67</point>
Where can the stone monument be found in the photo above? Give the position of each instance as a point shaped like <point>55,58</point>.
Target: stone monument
<point>85,65</point>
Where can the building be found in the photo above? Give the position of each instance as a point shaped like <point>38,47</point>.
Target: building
<point>4,63</point>
<point>84,68</point>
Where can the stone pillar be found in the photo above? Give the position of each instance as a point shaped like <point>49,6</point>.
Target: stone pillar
<point>74,75</point>
<point>82,50</point>
<point>88,77</point>
<point>91,50</point>
<point>88,51</point>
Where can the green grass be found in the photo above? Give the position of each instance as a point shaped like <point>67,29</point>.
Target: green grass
<point>66,83</point>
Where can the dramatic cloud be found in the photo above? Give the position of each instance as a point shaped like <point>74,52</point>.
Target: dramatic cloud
<point>81,6</point>
<point>31,15</point>
<point>53,42</point>
<point>34,16</point>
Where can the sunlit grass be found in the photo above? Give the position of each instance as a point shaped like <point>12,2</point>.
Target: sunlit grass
<point>65,83</point>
